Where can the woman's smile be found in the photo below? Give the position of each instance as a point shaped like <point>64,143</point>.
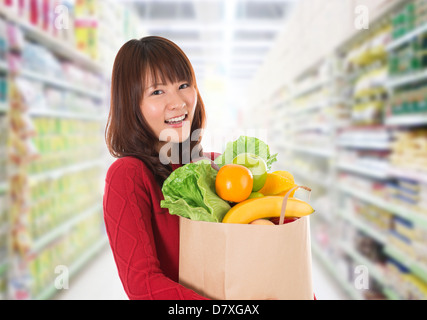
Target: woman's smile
<point>176,122</point>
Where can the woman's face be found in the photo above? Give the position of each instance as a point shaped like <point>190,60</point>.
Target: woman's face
<point>169,109</point>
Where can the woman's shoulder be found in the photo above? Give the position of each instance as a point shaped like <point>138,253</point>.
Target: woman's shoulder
<point>124,166</point>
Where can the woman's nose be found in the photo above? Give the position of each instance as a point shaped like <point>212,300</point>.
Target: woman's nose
<point>176,102</point>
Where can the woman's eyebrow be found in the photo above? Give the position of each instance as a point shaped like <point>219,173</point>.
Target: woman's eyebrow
<point>154,85</point>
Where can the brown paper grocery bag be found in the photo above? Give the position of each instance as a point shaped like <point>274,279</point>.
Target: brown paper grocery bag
<point>244,262</point>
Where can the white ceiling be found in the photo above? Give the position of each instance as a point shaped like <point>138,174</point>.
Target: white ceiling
<point>225,37</point>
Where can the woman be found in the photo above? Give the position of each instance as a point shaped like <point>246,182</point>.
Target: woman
<point>155,110</point>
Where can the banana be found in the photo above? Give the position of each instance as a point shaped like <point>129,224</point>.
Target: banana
<point>266,207</point>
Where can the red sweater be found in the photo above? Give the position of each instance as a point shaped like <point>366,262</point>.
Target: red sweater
<point>143,236</point>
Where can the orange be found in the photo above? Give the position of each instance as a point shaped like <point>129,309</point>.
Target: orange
<point>276,184</point>
<point>234,183</point>
<point>288,175</point>
<point>285,174</point>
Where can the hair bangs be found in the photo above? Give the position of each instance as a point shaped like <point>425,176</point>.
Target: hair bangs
<point>164,68</point>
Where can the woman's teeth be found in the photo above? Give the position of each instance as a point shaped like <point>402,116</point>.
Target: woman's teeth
<point>177,119</point>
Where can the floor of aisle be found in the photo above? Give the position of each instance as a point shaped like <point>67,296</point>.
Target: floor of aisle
<point>99,281</point>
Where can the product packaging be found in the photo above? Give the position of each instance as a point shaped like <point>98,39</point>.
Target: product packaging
<point>227,261</point>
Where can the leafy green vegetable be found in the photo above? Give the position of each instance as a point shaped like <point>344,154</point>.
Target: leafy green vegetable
<point>246,144</point>
<point>190,192</point>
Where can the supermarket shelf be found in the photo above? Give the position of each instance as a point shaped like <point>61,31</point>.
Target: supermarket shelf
<point>366,171</point>
<point>372,136</point>
<point>63,228</point>
<point>330,267</point>
<point>417,268</point>
<point>408,174</point>
<point>308,89</point>
<point>365,227</point>
<point>406,38</point>
<point>4,186</point>
<point>365,144</point>
<point>3,66</point>
<point>407,79</point>
<point>47,79</point>
<point>324,182</point>
<point>407,120</point>
<point>3,267</point>
<point>57,46</point>
<point>415,217</point>
<point>4,107</point>
<point>65,114</point>
<point>314,106</point>
<point>55,174</point>
<point>374,271</point>
<point>76,266</point>
<point>315,151</point>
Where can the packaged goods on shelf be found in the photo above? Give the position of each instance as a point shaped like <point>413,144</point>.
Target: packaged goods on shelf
<point>409,239</point>
<point>379,218</point>
<point>80,190</point>
<point>369,97</point>
<point>369,248</point>
<point>372,49</point>
<point>409,150</point>
<point>3,91</point>
<point>409,58</point>
<point>370,163</point>
<point>371,83</point>
<point>37,58</point>
<point>420,12</point>
<point>406,285</point>
<point>407,193</point>
<point>86,8</point>
<point>404,20</point>
<point>378,138</point>
<point>65,142</point>
<point>308,169</point>
<point>67,250</point>
<point>86,36</point>
<point>55,18</point>
<point>379,148</point>
<point>364,183</point>
<point>411,101</point>
<point>3,40</point>
<point>4,126</point>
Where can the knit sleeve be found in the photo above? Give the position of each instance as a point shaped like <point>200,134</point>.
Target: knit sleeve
<point>127,216</point>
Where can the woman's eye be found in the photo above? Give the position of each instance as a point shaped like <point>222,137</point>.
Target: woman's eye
<point>184,86</point>
<point>157,92</point>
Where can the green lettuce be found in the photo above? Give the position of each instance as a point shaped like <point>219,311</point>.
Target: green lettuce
<point>246,144</point>
<point>190,192</point>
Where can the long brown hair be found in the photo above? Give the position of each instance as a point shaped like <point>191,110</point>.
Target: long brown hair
<point>127,133</point>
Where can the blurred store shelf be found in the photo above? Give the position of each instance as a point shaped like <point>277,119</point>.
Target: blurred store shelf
<point>350,120</point>
<point>53,107</point>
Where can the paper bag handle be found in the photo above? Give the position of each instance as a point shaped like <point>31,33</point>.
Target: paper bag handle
<point>285,201</point>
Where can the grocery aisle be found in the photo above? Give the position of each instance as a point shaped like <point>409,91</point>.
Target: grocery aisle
<point>54,70</point>
<point>342,98</point>
<point>351,118</point>
<point>99,281</point>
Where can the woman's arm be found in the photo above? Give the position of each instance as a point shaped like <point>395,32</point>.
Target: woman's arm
<point>127,215</point>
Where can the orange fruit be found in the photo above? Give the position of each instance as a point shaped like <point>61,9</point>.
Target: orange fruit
<point>276,184</point>
<point>288,175</point>
<point>285,174</point>
<point>234,183</point>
